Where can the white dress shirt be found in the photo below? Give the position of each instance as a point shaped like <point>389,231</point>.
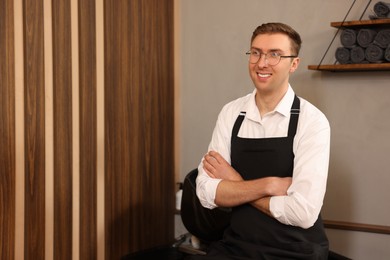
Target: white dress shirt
<point>304,199</point>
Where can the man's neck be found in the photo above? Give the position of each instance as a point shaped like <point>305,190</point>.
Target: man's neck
<point>267,102</point>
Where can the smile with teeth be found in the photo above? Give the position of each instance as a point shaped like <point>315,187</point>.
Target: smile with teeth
<point>263,75</point>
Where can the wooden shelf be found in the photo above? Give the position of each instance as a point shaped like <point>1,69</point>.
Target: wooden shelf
<point>343,225</point>
<point>377,23</point>
<point>352,67</point>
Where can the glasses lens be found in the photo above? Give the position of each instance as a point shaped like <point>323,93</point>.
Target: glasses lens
<point>273,59</point>
<point>253,56</point>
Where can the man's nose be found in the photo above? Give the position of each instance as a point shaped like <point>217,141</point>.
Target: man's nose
<point>262,62</point>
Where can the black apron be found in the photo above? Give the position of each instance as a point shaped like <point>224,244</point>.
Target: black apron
<point>253,234</point>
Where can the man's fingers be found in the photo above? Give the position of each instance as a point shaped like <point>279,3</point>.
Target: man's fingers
<point>208,172</point>
<point>217,157</point>
<point>209,168</point>
<point>211,159</point>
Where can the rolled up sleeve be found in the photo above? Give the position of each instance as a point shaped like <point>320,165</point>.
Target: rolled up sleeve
<point>206,188</point>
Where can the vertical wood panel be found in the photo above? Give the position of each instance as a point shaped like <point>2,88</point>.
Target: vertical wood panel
<point>100,127</point>
<point>49,131</point>
<point>117,143</point>
<point>74,20</point>
<point>7,131</point>
<point>34,130</point>
<point>19,132</point>
<point>139,125</point>
<point>88,145</point>
<point>156,121</point>
<point>62,105</point>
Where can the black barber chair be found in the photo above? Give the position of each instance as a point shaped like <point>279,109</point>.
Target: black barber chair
<point>206,224</point>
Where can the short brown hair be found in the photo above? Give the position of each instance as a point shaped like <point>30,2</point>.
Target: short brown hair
<point>272,28</point>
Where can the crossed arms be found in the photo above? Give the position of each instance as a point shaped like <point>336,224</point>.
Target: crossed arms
<point>233,190</point>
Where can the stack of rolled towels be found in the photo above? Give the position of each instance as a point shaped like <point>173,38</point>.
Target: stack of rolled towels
<point>381,10</point>
<point>366,45</point>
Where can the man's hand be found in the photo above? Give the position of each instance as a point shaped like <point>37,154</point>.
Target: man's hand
<point>278,186</point>
<point>217,167</point>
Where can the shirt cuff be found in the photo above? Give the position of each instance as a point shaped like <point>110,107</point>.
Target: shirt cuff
<point>276,207</point>
<point>207,196</point>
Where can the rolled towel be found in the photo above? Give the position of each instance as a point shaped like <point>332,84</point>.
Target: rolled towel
<point>382,39</point>
<point>343,55</point>
<point>365,37</point>
<point>348,38</point>
<point>382,9</point>
<point>374,53</point>
<point>387,53</point>
<point>357,55</point>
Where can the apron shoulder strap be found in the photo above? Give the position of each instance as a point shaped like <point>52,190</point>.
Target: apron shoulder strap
<point>295,109</point>
<point>238,123</point>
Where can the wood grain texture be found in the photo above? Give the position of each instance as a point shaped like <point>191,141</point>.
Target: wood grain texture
<point>139,202</point>
<point>62,110</point>
<point>362,23</point>
<point>7,130</point>
<point>352,67</point>
<point>117,143</point>
<point>352,226</point>
<point>34,112</point>
<point>88,132</point>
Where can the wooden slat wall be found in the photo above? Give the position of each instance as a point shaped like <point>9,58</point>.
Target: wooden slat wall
<point>34,122</point>
<point>88,134</point>
<point>138,90</point>
<point>138,128</point>
<point>62,104</point>
<point>7,131</point>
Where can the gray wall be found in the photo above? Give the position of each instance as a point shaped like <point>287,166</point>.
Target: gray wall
<point>214,37</point>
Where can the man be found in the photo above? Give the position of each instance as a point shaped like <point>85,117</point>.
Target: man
<point>268,160</point>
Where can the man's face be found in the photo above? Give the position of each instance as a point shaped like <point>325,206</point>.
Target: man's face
<point>272,79</point>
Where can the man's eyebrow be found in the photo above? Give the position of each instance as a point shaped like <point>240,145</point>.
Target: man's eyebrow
<point>272,50</point>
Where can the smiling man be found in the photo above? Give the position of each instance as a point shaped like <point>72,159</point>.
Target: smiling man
<point>268,160</point>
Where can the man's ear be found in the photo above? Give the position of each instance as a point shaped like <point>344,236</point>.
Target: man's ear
<point>294,64</point>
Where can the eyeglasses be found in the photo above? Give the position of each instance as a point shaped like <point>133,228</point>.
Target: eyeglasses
<point>272,58</point>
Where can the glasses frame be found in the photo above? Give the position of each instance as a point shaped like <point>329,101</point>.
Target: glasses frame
<point>266,59</point>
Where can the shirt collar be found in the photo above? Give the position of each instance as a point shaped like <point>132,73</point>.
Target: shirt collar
<point>283,108</point>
